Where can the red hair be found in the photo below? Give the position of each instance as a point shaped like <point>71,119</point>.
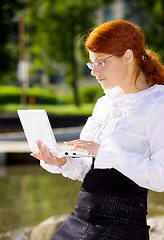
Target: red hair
<point>115,37</point>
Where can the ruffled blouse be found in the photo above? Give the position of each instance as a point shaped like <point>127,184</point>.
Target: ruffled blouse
<point>130,131</point>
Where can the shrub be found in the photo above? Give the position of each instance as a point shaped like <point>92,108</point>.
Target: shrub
<point>90,94</point>
<point>39,95</point>
<point>9,94</point>
<point>42,95</point>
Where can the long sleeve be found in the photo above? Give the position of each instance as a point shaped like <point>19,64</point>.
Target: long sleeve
<point>130,131</point>
<point>75,168</point>
<point>147,171</point>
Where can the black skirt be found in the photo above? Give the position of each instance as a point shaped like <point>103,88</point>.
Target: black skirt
<point>110,206</point>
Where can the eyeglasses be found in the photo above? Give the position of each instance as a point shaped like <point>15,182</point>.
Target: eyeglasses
<point>98,64</point>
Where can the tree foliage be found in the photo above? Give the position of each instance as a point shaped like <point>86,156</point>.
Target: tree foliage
<point>150,15</point>
<point>56,29</point>
<point>9,37</point>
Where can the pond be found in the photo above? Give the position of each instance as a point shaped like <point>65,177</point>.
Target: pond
<point>29,195</point>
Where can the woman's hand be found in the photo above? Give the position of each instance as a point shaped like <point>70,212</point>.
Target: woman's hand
<point>89,146</point>
<point>45,155</point>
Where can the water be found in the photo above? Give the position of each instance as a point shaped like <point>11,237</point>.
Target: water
<point>29,195</point>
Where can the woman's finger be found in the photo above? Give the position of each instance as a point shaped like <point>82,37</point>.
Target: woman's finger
<point>89,146</point>
<point>75,142</point>
<point>36,155</point>
<point>44,152</point>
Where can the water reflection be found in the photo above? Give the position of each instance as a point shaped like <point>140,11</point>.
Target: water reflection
<point>2,164</point>
<point>29,195</point>
<point>2,171</point>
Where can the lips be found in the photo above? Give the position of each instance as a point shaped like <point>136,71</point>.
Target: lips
<point>101,79</point>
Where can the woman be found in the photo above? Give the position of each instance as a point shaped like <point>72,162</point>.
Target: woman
<point>124,134</point>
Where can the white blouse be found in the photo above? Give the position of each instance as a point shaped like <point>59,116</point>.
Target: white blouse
<point>130,131</point>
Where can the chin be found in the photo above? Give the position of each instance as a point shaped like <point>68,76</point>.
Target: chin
<point>105,87</point>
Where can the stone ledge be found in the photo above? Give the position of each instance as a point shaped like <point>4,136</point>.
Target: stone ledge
<point>18,234</point>
<point>45,229</point>
<point>157,228</point>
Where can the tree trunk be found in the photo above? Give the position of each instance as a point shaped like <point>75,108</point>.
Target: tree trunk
<point>75,83</point>
<point>74,69</point>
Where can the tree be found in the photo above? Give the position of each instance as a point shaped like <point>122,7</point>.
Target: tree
<point>150,15</point>
<point>54,30</point>
<point>9,38</point>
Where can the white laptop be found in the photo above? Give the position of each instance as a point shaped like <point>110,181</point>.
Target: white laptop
<point>36,126</point>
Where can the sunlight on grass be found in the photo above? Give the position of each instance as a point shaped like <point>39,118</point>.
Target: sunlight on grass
<point>155,203</point>
<point>84,109</point>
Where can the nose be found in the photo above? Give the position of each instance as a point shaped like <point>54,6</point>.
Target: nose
<point>94,71</point>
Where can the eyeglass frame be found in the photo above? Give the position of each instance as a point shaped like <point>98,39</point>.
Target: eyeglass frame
<point>91,65</point>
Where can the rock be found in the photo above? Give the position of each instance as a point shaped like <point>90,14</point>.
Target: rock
<point>18,234</point>
<point>157,228</point>
<point>46,228</point>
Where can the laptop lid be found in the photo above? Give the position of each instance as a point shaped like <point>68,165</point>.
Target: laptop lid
<point>36,126</point>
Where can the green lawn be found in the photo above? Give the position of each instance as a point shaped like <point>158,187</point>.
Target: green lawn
<point>84,109</point>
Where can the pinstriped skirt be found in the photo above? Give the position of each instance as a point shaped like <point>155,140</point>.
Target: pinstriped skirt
<point>102,215</point>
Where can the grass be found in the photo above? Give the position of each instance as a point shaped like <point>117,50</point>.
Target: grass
<point>84,109</point>
<point>155,203</point>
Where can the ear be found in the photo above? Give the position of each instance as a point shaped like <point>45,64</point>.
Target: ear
<point>129,56</point>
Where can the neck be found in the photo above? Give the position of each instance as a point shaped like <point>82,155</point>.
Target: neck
<point>135,83</point>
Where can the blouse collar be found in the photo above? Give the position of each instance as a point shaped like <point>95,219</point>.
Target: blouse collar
<point>114,92</point>
<point>118,96</point>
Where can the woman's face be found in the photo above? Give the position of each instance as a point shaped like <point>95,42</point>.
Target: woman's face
<point>113,72</point>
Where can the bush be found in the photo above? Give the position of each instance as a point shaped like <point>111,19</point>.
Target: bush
<point>90,94</point>
<point>39,95</point>
<point>9,94</point>
<point>35,95</point>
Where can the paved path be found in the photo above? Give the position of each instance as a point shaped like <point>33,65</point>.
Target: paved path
<point>16,142</point>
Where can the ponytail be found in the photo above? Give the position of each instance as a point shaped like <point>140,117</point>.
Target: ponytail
<point>152,68</point>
